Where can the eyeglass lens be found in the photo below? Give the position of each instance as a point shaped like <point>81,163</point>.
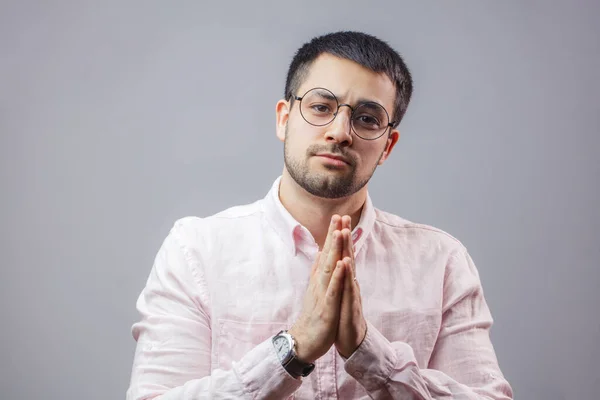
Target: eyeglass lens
<point>320,107</point>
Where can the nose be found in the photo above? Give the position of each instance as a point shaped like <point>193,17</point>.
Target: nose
<point>340,129</point>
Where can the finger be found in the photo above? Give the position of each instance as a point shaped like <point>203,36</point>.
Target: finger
<point>354,288</point>
<point>347,222</point>
<point>347,295</point>
<point>351,251</point>
<point>328,265</point>
<point>315,263</point>
<point>335,252</point>
<point>348,264</point>
<point>336,286</point>
<point>333,225</point>
<point>348,250</point>
<point>344,242</point>
<point>351,298</point>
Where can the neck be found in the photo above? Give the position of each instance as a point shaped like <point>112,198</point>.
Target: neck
<point>314,213</point>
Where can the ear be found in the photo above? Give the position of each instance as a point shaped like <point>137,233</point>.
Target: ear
<point>282,112</point>
<point>389,146</point>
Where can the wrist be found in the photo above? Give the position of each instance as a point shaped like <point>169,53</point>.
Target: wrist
<point>284,343</point>
<point>347,351</point>
<point>302,351</point>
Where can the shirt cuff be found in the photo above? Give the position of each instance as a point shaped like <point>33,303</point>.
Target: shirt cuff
<point>375,360</point>
<point>263,375</point>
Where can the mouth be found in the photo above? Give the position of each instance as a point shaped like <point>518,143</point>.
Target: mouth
<point>334,158</point>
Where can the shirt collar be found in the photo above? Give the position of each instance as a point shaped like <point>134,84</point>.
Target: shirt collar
<point>295,236</point>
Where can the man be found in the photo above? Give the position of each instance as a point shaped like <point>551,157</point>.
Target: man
<point>312,292</point>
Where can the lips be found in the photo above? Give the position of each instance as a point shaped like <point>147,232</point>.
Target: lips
<point>334,157</point>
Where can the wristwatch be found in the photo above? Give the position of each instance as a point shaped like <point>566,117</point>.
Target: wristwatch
<point>285,345</point>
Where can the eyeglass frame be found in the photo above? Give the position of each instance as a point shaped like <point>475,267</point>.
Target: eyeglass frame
<point>299,99</point>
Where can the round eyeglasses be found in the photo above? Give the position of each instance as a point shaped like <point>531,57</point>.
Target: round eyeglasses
<point>319,107</point>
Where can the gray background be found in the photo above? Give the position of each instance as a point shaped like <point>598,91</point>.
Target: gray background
<point>117,118</point>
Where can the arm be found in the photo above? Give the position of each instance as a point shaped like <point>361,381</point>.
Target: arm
<point>173,353</point>
<point>463,363</point>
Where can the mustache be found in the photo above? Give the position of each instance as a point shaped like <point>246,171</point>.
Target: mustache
<point>334,148</point>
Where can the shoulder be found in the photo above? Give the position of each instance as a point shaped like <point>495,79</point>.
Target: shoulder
<point>192,230</point>
<point>402,229</point>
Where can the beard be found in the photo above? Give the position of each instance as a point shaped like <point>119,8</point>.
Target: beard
<point>324,184</point>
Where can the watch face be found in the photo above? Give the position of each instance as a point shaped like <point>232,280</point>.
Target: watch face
<point>282,347</point>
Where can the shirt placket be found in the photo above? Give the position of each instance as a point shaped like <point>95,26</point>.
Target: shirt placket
<point>326,370</point>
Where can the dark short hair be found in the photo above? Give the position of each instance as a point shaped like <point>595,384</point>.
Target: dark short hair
<point>363,49</point>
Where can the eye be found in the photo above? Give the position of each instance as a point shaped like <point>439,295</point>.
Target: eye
<point>321,108</point>
<point>368,120</point>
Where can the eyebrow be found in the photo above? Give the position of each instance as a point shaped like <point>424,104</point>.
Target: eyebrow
<point>371,105</point>
<point>363,101</point>
<point>360,101</point>
<point>326,95</point>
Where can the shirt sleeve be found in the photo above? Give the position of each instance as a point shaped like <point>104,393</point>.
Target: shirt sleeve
<point>173,352</point>
<point>463,364</point>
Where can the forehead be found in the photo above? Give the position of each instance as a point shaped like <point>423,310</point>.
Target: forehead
<point>349,81</point>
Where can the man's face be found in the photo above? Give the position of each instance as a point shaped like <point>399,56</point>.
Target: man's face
<point>307,148</point>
